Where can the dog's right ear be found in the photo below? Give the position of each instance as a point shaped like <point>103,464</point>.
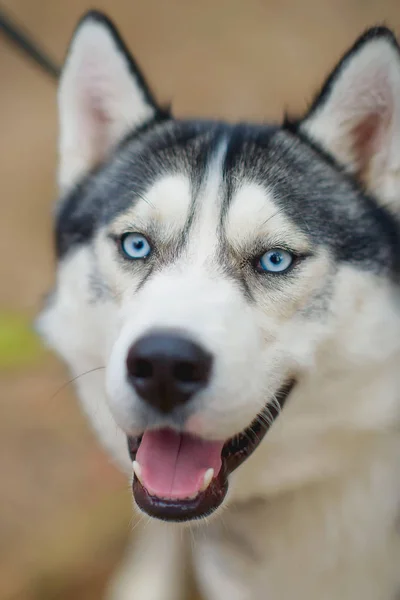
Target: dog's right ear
<point>102,97</point>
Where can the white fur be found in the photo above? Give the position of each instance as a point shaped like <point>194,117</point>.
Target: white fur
<point>166,204</point>
<point>153,567</point>
<point>253,214</point>
<point>312,514</point>
<point>73,305</point>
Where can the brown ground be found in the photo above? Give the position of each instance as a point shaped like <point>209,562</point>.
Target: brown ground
<point>64,510</point>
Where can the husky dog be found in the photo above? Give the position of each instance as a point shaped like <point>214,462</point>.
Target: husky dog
<point>234,290</point>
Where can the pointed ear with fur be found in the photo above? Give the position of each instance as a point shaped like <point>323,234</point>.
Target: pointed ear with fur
<point>102,97</point>
<point>356,117</point>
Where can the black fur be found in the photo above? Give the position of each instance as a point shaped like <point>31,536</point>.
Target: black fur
<point>306,183</point>
<point>329,206</point>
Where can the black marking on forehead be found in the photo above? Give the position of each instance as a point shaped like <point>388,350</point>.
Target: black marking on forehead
<point>240,160</point>
<point>327,205</point>
<point>239,146</point>
<point>199,171</point>
<point>167,148</point>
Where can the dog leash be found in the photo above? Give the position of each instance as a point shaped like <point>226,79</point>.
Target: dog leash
<point>17,36</point>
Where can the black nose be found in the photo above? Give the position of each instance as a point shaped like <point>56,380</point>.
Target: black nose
<point>167,369</point>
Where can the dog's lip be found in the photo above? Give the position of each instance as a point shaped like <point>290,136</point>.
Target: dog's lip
<point>187,509</point>
<point>235,451</point>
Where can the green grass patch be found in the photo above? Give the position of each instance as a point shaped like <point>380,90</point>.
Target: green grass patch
<point>19,344</point>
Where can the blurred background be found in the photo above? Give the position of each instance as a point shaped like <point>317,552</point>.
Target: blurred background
<point>65,511</point>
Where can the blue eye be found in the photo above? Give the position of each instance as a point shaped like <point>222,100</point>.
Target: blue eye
<point>275,261</point>
<point>135,246</point>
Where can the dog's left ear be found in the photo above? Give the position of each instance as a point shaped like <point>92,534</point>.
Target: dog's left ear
<point>356,117</point>
<point>102,97</point>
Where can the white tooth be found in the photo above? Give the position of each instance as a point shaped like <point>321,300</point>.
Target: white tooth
<point>137,469</point>
<point>208,477</point>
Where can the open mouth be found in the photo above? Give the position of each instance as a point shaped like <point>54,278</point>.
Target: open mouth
<point>180,477</point>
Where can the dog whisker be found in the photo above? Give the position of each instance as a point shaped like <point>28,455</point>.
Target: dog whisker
<point>67,383</point>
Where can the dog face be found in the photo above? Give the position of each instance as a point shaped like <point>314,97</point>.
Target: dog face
<point>220,272</point>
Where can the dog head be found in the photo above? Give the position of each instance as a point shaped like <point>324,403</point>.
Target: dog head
<point>224,274</point>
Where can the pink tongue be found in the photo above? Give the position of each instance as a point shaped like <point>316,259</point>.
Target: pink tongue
<point>173,464</point>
